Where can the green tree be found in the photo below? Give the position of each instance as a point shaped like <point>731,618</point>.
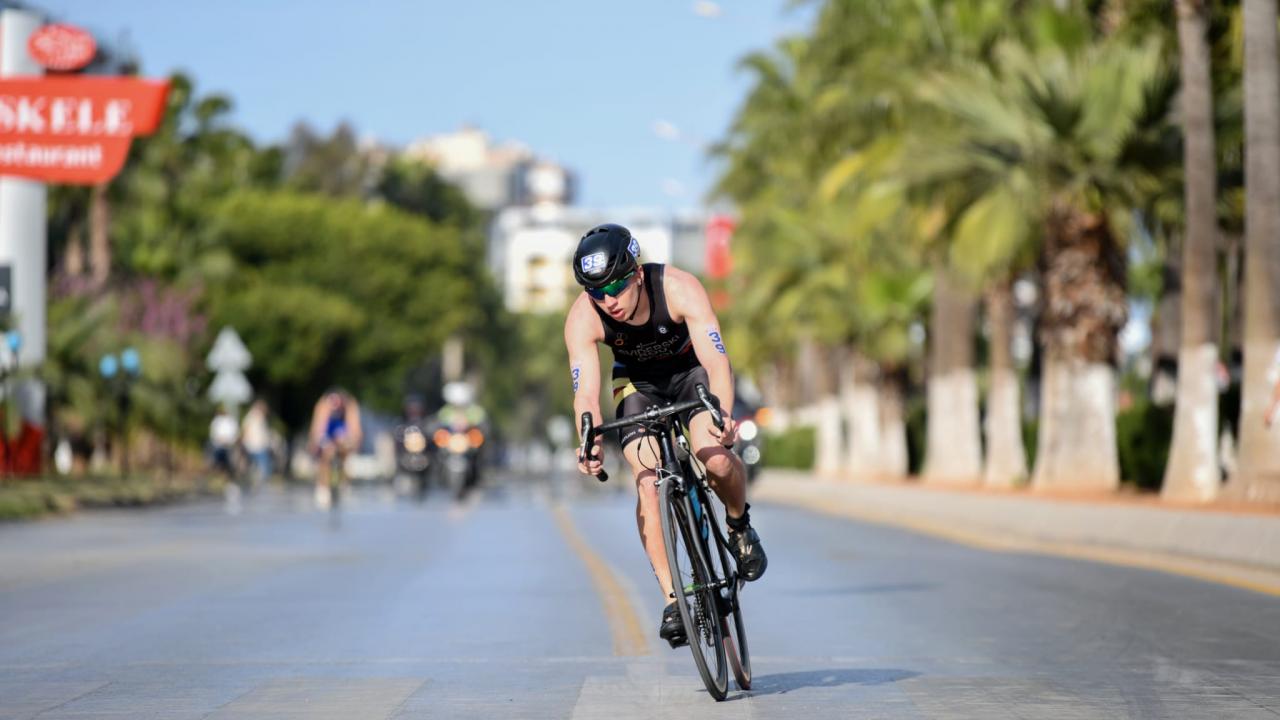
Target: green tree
<point>339,292</point>
<point>1058,142</point>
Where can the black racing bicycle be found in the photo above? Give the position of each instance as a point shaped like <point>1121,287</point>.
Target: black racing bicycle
<point>702,572</point>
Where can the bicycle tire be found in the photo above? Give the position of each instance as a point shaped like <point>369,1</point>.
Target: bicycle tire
<point>734,627</point>
<point>687,557</point>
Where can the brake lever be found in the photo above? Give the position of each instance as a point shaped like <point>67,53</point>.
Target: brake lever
<point>711,403</point>
<point>588,441</point>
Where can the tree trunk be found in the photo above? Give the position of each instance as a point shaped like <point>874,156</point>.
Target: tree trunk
<point>73,255</point>
<point>893,425</point>
<point>1232,309</point>
<point>1258,477</point>
<point>828,444</point>
<point>1085,307</point>
<point>1006,458</point>
<point>861,400</point>
<point>1166,328</point>
<point>1192,472</point>
<point>954,446</point>
<point>99,235</point>
<point>815,373</point>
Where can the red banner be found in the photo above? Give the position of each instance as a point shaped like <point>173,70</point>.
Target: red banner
<point>719,235</point>
<point>74,130</point>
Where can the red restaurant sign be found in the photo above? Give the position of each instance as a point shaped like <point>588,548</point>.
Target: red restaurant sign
<point>74,130</point>
<point>62,47</point>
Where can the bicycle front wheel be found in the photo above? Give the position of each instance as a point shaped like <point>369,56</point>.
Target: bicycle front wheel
<point>695,594</point>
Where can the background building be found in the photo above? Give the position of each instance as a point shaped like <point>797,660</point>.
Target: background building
<point>531,248</point>
<point>494,176</point>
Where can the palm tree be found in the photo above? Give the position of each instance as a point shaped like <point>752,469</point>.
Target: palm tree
<point>1258,477</point>
<point>1192,471</point>
<point>1049,143</point>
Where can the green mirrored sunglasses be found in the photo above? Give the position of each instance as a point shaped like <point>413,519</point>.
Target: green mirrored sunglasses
<point>613,289</point>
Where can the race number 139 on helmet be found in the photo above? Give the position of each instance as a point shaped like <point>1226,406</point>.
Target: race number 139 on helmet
<point>606,253</point>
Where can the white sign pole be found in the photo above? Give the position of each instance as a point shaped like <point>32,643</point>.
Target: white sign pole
<point>23,232</point>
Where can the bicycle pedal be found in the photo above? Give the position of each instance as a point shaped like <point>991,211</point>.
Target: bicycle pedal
<point>679,641</point>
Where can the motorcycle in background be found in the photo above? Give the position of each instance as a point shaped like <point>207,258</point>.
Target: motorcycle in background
<point>459,439</point>
<point>413,446</point>
<point>751,415</point>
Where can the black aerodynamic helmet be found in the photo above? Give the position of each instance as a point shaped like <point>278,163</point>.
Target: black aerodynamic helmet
<point>606,253</point>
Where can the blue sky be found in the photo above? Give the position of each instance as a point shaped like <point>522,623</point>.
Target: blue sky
<point>582,82</point>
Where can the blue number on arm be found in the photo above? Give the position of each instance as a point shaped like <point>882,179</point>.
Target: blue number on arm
<point>715,338</point>
<point>577,375</point>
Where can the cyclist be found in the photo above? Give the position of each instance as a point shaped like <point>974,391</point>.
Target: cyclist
<point>335,433</point>
<point>666,340</point>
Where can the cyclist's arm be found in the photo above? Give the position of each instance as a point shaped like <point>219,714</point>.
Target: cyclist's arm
<point>355,434</point>
<point>582,331</point>
<point>317,424</point>
<point>687,299</point>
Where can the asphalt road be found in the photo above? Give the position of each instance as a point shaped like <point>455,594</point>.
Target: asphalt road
<point>539,604</point>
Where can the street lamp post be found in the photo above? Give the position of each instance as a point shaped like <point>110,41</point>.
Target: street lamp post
<point>13,341</point>
<point>119,374</point>
<point>109,368</point>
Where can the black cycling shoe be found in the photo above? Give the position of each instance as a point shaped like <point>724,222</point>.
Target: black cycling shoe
<point>672,627</point>
<point>746,546</point>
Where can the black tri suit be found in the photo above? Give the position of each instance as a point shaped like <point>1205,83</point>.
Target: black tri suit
<point>653,363</point>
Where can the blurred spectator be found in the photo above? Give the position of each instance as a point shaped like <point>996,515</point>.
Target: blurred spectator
<point>223,433</point>
<point>255,437</point>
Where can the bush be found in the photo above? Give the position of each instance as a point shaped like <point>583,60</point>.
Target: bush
<point>25,499</point>
<point>792,448</point>
<point>1143,435</point>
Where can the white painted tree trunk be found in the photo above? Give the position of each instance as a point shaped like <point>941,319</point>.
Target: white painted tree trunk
<point>1006,458</point>
<point>861,403</point>
<point>954,446</point>
<point>1076,449</point>
<point>1192,472</point>
<point>893,432</point>
<point>828,445</point>
<point>1258,476</point>
<point>1258,473</point>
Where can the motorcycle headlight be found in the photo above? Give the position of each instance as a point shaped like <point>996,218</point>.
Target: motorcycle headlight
<point>458,443</point>
<point>748,430</point>
<point>751,455</point>
<point>415,441</point>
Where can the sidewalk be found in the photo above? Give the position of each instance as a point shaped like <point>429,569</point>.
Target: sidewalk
<point>1233,547</point>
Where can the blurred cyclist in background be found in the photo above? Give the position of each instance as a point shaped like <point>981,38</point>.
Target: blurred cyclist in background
<point>335,433</point>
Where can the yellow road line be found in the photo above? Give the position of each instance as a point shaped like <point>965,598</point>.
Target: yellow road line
<point>624,622</point>
<point>1261,581</point>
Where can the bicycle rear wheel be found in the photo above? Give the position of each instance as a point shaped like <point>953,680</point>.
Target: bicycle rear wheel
<point>696,599</point>
<point>733,626</point>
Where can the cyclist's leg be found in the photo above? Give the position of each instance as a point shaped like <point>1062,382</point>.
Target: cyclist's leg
<point>725,470</point>
<point>324,459</point>
<point>642,455</point>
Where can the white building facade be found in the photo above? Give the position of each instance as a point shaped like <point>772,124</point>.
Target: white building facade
<point>493,176</point>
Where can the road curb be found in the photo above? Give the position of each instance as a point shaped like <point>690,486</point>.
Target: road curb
<point>1116,535</point>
